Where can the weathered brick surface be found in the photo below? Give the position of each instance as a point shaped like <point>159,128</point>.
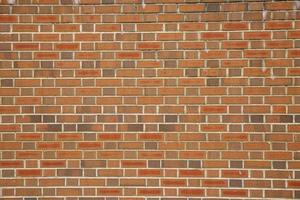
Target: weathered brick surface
<point>176,99</point>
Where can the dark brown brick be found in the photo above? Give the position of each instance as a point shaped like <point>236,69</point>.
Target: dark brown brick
<point>69,172</point>
<point>93,163</point>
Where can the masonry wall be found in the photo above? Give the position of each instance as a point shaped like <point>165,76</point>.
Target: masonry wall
<point>173,99</point>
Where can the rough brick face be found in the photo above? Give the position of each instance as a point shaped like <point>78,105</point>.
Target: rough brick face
<point>149,100</point>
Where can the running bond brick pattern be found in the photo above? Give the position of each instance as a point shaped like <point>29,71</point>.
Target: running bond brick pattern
<point>166,100</point>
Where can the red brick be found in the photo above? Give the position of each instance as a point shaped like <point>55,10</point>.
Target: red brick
<point>66,28</point>
<point>29,172</point>
<point>69,191</point>
<point>9,91</point>
<point>214,183</point>
<point>257,35</point>
<point>129,18</point>
<point>87,55</point>
<point>235,173</point>
<point>191,26</point>
<point>149,27</point>
<point>11,182</point>
<point>257,53</point>
<point>110,172</point>
<point>66,47</point>
<point>233,26</point>
<point>128,55</point>
<point>28,191</point>
<point>46,55</point>
<point>173,182</point>
<point>149,172</point>
<point>279,25</point>
<point>214,36</point>
<point>52,164</point>
<point>29,155</point>
<point>149,191</point>
<point>192,155</point>
<point>8,19</point>
<point>25,46</point>
<point>170,17</point>
<point>52,182</point>
<point>92,182</point>
<point>25,28</point>
<point>46,146</point>
<point>235,193</point>
<point>87,18</point>
<point>46,37</point>
<point>192,8</point>
<point>9,109</point>
<point>235,45</point>
<point>11,164</point>
<point>109,191</point>
<point>149,45</point>
<point>169,36</point>
<point>191,173</point>
<point>88,73</point>
<point>45,19</point>
<point>110,154</point>
<point>293,53</point>
<point>191,192</point>
<point>87,37</point>
<point>10,128</point>
<point>133,163</point>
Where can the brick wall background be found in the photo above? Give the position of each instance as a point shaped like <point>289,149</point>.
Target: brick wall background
<point>175,100</point>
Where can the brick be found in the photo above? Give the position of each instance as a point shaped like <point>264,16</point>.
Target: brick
<point>257,54</point>
<point>234,193</point>
<point>149,45</point>
<point>25,28</point>
<point>26,47</point>
<point>109,192</point>
<point>66,28</point>
<point>29,172</point>
<point>133,164</point>
<point>214,183</point>
<point>11,182</point>
<point>149,172</point>
<point>46,19</point>
<point>169,36</point>
<point>279,25</point>
<point>192,8</point>
<point>191,192</point>
<point>190,26</point>
<point>149,192</point>
<point>8,19</point>
<point>257,35</point>
<point>128,55</point>
<point>170,17</point>
<point>51,182</point>
<point>233,26</point>
<point>110,172</point>
<point>128,18</point>
<point>192,155</point>
<point>149,27</point>
<point>69,191</point>
<point>214,35</point>
<point>11,164</point>
<point>46,55</point>
<point>28,192</point>
<point>92,182</point>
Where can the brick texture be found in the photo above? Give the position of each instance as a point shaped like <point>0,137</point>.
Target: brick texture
<point>166,100</point>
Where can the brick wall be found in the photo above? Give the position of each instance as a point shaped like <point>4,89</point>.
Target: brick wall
<point>177,99</point>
